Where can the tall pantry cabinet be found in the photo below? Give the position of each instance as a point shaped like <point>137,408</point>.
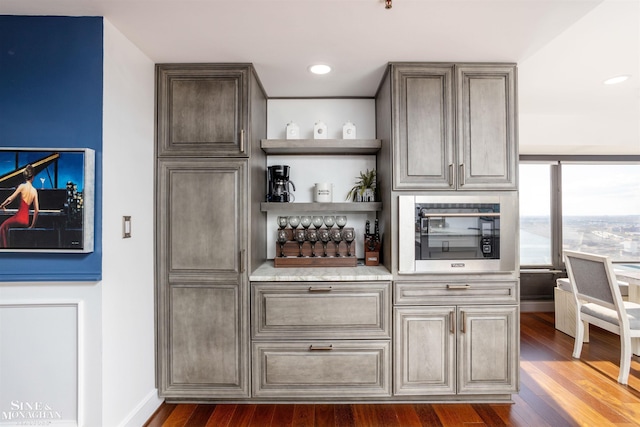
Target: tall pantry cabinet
<point>209,182</point>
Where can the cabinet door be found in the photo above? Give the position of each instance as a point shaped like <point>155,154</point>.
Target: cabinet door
<point>201,209</point>
<point>486,127</point>
<point>488,349</point>
<point>424,351</point>
<point>201,279</point>
<point>206,342</point>
<point>423,152</point>
<point>201,109</point>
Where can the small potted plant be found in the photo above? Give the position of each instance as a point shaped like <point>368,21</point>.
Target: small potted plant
<point>365,188</point>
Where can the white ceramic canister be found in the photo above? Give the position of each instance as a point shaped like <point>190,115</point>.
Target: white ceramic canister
<point>323,192</point>
<point>293,131</point>
<point>319,130</point>
<point>349,131</point>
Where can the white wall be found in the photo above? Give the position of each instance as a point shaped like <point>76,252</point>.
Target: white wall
<point>52,303</point>
<point>128,386</point>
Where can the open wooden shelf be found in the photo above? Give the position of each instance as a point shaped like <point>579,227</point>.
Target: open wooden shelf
<point>321,207</point>
<point>321,146</point>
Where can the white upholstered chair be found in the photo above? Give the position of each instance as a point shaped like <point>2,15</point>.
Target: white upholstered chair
<point>599,302</point>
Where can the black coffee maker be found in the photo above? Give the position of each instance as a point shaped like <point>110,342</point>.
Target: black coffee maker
<point>278,184</point>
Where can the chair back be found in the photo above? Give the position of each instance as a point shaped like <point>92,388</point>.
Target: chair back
<point>592,279</point>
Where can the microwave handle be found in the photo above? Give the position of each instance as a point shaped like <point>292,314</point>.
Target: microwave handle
<point>461,214</point>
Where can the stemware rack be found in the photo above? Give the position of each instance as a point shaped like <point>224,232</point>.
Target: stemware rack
<point>291,250</point>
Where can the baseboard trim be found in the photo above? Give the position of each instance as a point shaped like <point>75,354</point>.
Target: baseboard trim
<point>537,306</point>
<point>143,411</point>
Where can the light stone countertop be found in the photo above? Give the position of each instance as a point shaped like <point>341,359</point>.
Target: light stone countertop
<point>268,273</point>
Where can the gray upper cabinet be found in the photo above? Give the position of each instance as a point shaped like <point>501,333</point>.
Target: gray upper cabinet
<point>454,126</point>
<point>202,109</point>
<point>486,127</point>
<point>423,150</point>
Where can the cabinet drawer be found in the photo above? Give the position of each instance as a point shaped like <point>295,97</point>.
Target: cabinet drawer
<point>306,369</point>
<point>321,310</point>
<point>455,292</point>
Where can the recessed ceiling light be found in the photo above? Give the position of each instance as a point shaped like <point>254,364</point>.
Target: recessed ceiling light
<point>617,79</point>
<point>319,69</point>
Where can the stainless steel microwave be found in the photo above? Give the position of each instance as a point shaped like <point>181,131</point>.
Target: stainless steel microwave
<point>458,233</point>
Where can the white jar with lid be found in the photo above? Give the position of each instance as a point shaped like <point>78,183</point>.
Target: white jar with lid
<point>349,131</point>
<point>293,131</point>
<point>320,130</point>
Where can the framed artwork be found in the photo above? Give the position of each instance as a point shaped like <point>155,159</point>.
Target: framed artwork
<point>47,200</point>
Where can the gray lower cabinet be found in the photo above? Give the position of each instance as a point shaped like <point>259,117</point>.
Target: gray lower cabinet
<point>321,340</point>
<point>202,290</point>
<point>449,350</point>
<point>456,338</point>
<point>454,126</point>
<point>322,369</point>
<point>488,338</point>
<point>205,354</point>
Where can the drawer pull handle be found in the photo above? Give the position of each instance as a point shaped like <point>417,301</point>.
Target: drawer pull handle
<point>321,347</point>
<point>323,289</point>
<point>456,287</point>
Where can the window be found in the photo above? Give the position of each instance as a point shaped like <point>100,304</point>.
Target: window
<point>596,209</point>
<point>601,209</point>
<point>535,214</point>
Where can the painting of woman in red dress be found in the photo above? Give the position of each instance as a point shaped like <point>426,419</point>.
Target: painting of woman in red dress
<point>28,196</point>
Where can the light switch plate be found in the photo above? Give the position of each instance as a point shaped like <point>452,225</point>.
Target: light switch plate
<point>126,227</point>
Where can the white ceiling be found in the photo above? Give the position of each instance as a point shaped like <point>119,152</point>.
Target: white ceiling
<point>564,48</point>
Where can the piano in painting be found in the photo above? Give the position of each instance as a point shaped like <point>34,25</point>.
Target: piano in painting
<point>59,222</point>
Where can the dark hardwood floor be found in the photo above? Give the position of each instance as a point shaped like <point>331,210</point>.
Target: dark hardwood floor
<point>555,390</point>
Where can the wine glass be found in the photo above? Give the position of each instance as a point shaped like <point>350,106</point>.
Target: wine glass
<point>282,239</point>
<point>323,235</point>
<point>336,236</point>
<point>305,221</point>
<point>341,221</point>
<point>317,221</point>
<point>329,221</point>
<point>300,236</point>
<point>349,236</point>
<point>282,222</point>
<point>312,237</point>
<point>294,221</point>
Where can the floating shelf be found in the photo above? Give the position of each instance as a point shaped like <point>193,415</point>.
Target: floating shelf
<point>321,146</point>
<point>321,207</point>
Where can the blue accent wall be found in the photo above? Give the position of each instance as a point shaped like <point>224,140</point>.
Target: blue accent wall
<point>51,97</point>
